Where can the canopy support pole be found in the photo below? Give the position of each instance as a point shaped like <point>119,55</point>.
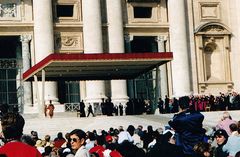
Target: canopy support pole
<point>42,105</point>
<point>37,92</point>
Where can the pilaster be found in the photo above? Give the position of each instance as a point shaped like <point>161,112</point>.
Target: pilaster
<point>163,72</point>
<point>27,86</point>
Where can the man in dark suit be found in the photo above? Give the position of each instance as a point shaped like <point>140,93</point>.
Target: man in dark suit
<point>90,110</point>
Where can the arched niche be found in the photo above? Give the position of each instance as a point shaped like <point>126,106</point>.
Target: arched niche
<point>213,58</point>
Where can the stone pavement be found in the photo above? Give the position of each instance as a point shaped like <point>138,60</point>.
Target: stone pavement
<point>66,122</point>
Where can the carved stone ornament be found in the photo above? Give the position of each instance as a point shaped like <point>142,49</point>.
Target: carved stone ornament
<point>69,41</point>
<point>213,29</point>
<point>25,38</point>
<point>210,40</point>
<point>8,10</point>
<point>210,45</point>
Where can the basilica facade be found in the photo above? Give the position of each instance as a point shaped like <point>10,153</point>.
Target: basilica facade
<point>203,35</point>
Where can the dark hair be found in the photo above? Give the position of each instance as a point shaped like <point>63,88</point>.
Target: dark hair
<point>12,125</point>
<point>202,147</point>
<point>150,128</point>
<point>221,132</point>
<point>28,140</point>
<point>47,150</point>
<point>184,102</point>
<point>79,133</point>
<point>237,154</point>
<point>131,129</point>
<point>91,136</point>
<point>60,135</point>
<point>233,127</point>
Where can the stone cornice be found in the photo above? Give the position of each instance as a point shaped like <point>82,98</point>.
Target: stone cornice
<point>147,25</point>
<point>68,25</point>
<point>16,24</point>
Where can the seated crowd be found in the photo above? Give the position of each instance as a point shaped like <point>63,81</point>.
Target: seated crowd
<point>184,136</point>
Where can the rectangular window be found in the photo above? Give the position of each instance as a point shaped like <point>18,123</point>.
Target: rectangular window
<point>142,12</point>
<point>65,10</point>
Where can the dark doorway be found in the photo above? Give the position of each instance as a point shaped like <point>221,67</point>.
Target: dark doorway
<point>143,87</point>
<point>11,91</point>
<point>144,44</point>
<point>8,46</point>
<point>68,91</point>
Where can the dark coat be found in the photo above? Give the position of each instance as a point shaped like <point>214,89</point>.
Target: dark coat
<point>165,150</point>
<point>188,128</point>
<point>219,152</point>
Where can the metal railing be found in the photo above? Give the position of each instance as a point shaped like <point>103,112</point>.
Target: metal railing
<point>72,107</point>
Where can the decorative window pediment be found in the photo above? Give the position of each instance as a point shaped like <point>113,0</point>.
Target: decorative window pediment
<point>213,28</point>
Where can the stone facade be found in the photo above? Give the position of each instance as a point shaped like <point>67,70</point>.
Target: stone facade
<point>202,34</point>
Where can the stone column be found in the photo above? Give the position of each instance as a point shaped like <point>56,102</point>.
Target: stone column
<point>235,39</point>
<point>44,42</point>
<point>27,86</point>
<point>116,45</point>
<point>163,69</point>
<point>92,34</point>
<point>179,47</point>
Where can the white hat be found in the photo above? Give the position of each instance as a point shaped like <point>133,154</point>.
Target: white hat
<point>99,132</point>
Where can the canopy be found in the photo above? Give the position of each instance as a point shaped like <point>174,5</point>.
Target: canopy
<point>101,66</point>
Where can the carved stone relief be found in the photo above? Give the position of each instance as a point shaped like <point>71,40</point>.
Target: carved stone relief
<point>8,10</point>
<point>214,29</point>
<point>68,42</point>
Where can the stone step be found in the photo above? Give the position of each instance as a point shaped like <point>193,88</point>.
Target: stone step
<point>67,121</point>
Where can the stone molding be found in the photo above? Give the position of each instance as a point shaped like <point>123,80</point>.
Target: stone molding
<point>209,11</point>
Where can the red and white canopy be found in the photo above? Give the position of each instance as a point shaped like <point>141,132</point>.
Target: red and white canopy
<point>104,66</point>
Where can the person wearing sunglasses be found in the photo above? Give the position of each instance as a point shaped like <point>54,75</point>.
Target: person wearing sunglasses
<point>78,141</point>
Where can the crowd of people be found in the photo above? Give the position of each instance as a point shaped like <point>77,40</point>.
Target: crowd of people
<point>106,108</point>
<point>221,102</point>
<point>183,136</point>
